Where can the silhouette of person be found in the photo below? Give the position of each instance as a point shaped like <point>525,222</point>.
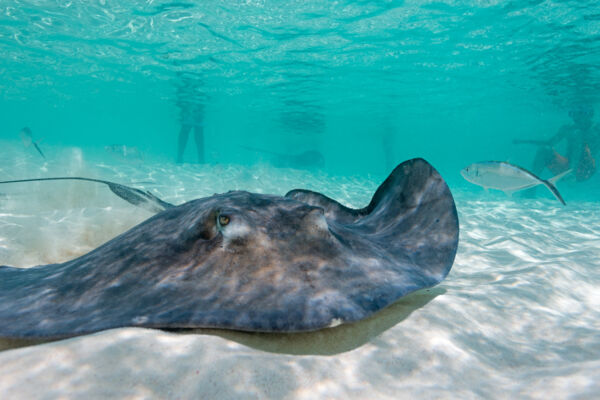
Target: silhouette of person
<point>191,100</point>
<point>582,139</point>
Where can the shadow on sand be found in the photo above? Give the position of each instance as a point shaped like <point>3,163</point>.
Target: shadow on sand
<point>328,341</point>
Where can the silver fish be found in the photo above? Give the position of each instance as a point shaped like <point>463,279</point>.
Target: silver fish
<point>508,177</point>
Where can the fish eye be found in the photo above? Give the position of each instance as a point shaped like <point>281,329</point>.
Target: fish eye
<point>223,220</point>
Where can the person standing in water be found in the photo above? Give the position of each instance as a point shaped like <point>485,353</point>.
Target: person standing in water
<point>191,101</point>
<point>582,140</point>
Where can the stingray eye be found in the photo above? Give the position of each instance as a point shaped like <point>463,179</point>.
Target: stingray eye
<point>223,220</point>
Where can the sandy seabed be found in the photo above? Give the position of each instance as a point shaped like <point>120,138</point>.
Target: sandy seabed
<point>517,317</point>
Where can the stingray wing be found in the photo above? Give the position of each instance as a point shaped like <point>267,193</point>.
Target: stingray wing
<point>333,209</point>
<point>412,210</point>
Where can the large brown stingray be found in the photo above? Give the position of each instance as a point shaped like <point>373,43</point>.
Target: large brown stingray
<point>246,261</point>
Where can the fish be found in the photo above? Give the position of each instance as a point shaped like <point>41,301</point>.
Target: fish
<point>244,261</point>
<point>27,138</point>
<point>508,178</point>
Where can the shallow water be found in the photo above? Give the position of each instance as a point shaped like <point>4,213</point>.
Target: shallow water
<point>368,84</point>
<point>518,314</point>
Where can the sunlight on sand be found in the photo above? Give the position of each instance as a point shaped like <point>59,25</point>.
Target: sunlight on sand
<point>518,316</point>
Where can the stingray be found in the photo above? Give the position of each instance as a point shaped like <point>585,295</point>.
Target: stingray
<point>27,138</point>
<point>246,261</point>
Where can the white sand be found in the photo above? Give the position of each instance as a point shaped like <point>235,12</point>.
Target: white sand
<point>518,316</point>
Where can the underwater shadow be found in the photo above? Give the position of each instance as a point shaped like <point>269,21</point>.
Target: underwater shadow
<point>329,341</point>
<point>9,344</point>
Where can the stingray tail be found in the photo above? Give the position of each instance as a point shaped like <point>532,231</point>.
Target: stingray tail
<point>137,197</point>
<point>550,184</point>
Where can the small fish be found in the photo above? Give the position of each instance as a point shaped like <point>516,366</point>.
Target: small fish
<point>27,138</point>
<point>508,178</point>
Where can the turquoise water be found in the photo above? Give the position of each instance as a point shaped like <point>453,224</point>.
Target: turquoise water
<point>454,82</point>
<point>368,84</point>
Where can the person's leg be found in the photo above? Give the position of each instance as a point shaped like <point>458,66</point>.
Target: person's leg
<point>199,136</point>
<point>184,133</point>
<point>542,158</point>
<point>587,165</point>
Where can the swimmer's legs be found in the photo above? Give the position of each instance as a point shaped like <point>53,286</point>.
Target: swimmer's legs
<point>184,133</point>
<point>543,157</point>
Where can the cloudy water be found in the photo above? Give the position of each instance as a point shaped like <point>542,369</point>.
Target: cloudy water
<point>328,96</point>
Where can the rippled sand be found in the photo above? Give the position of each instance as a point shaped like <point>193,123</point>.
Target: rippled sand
<point>518,315</point>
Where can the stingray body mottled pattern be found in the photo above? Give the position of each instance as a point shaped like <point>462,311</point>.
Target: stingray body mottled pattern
<point>247,261</point>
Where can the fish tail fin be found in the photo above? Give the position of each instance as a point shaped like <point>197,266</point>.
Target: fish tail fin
<point>555,179</point>
<point>550,184</point>
<point>554,190</point>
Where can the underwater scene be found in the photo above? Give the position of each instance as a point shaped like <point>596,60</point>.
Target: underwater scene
<point>385,199</point>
